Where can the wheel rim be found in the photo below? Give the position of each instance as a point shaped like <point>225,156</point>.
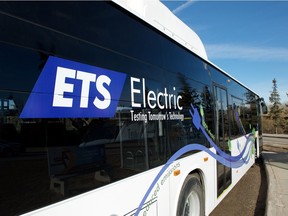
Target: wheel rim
<point>192,205</point>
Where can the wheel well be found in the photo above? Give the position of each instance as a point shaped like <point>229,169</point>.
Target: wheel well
<point>200,174</point>
<point>202,181</point>
<point>191,181</point>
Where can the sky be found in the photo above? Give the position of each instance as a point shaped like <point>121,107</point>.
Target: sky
<point>247,39</point>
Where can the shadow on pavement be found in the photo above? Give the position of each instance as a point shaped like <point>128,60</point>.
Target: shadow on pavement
<point>262,195</point>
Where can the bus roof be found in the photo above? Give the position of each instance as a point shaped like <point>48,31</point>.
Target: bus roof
<point>159,16</point>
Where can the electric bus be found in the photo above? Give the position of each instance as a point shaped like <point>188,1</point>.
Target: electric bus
<point>113,108</point>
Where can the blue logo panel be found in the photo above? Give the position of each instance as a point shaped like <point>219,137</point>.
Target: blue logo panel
<point>68,89</point>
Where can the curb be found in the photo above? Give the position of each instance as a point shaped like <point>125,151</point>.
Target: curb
<point>269,209</point>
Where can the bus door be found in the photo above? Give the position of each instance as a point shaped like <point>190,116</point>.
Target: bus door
<point>222,137</point>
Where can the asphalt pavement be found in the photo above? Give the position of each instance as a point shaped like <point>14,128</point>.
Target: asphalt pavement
<point>276,164</point>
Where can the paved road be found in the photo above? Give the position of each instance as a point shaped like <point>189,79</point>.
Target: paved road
<point>249,196</point>
<point>275,142</point>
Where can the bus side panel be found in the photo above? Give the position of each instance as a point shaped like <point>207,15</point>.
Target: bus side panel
<point>204,163</point>
<point>243,153</point>
<point>248,157</point>
<point>120,198</point>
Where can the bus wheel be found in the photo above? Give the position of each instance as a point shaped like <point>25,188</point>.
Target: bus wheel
<point>191,201</point>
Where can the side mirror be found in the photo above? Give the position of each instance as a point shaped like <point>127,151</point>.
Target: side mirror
<point>263,106</point>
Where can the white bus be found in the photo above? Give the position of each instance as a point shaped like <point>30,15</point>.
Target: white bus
<point>113,108</point>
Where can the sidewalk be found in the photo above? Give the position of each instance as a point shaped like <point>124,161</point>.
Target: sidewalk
<point>276,165</point>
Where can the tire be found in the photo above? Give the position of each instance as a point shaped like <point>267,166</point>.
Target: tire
<point>191,200</point>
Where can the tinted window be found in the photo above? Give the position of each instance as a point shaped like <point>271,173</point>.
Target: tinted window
<point>50,159</point>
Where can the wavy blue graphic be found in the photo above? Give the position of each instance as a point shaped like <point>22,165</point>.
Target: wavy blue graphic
<point>222,157</point>
<point>197,123</point>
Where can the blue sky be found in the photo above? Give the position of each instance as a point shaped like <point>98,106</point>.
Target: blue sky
<point>247,39</point>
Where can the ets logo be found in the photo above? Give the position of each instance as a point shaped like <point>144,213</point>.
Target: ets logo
<point>68,89</point>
